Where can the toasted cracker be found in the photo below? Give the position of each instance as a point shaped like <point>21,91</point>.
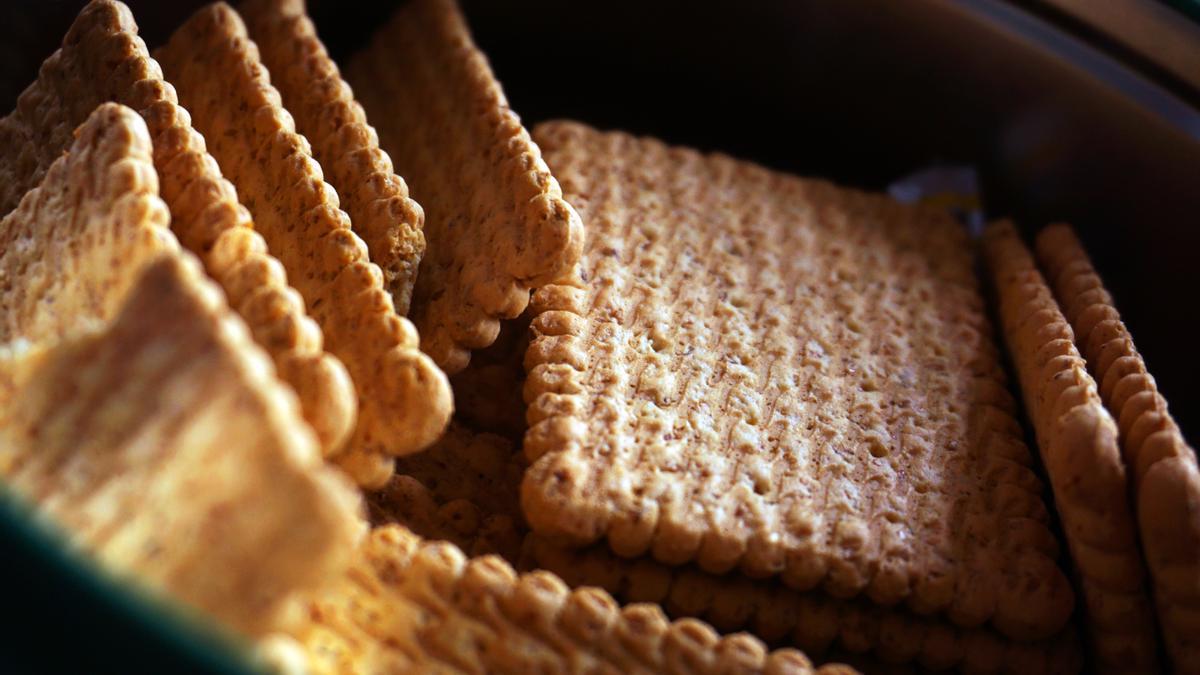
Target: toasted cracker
<point>76,243</point>
<point>404,400</point>
<point>1162,465</point>
<point>812,621</point>
<point>784,376</point>
<point>410,605</point>
<point>496,223</point>
<point>1078,443</point>
<point>103,59</point>
<point>374,197</point>
<point>164,446</point>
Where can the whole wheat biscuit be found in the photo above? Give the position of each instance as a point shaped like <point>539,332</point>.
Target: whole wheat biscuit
<point>76,243</point>
<point>166,448</point>
<point>410,605</point>
<point>1164,472</point>
<point>374,197</point>
<point>1078,443</point>
<point>404,400</point>
<point>496,223</point>
<point>753,370</point>
<point>103,59</point>
<point>812,621</point>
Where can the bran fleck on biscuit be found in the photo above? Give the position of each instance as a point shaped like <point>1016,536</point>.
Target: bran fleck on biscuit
<point>163,445</point>
<point>812,621</point>
<point>495,221</point>
<point>404,400</point>
<point>103,59</point>
<point>374,197</point>
<point>1078,443</point>
<point>410,605</point>
<point>754,370</point>
<point>1163,467</point>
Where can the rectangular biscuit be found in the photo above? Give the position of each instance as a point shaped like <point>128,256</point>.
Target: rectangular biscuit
<point>409,605</point>
<point>757,371</point>
<point>156,435</point>
<point>495,221</point>
<point>103,59</point>
<point>323,106</point>
<point>812,621</point>
<point>1161,465</point>
<point>404,400</point>
<point>1078,443</point>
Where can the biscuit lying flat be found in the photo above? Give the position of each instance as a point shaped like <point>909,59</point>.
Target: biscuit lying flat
<point>1161,465</point>
<point>103,59</point>
<point>753,370</point>
<point>374,197</point>
<point>495,221</point>
<point>404,400</point>
<point>811,620</point>
<point>1078,443</point>
<point>165,447</point>
<point>409,605</point>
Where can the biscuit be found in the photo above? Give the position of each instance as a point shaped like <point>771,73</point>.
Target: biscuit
<point>162,444</point>
<point>374,197</point>
<point>812,621</point>
<point>411,605</point>
<point>487,393</point>
<point>103,59</point>
<point>404,401</point>
<point>1162,466</point>
<point>758,371</point>
<point>1078,443</point>
<point>495,220</point>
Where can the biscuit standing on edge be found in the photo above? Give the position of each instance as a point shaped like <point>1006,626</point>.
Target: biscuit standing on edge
<point>409,605</point>
<point>754,370</point>
<point>1165,477</point>
<point>495,220</point>
<point>374,197</point>
<point>102,59</point>
<point>1078,443</point>
<point>404,400</point>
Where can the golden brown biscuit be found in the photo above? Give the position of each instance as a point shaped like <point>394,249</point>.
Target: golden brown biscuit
<point>487,393</point>
<point>103,59</point>
<point>404,400</point>
<point>374,197</point>
<point>812,621</point>
<point>755,371</point>
<point>163,445</point>
<point>495,220</point>
<point>1162,466</point>
<point>410,605</point>
<point>1078,443</point>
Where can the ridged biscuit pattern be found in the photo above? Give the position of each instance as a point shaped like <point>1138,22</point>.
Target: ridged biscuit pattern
<point>411,605</point>
<point>1078,443</point>
<point>495,221</point>
<point>103,59</point>
<point>404,399</point>
<point>374,197</point>
<point>163,445</point>
<point>1162,466</point>
<point>757,371</point>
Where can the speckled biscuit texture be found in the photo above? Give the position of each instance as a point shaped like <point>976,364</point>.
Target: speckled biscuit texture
<point>1161,465</point>
<point>404,400</point>
<point>325,112</point>
<point>812,621</point>
<point>750,370</point>
<point>163,445</point>
<point>409,605</point>
<point>103,59</point>
<point>495,220</point>
<point>1078,443</point>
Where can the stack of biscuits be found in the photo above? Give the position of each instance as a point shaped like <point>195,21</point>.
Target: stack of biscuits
<point>350,362</point>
